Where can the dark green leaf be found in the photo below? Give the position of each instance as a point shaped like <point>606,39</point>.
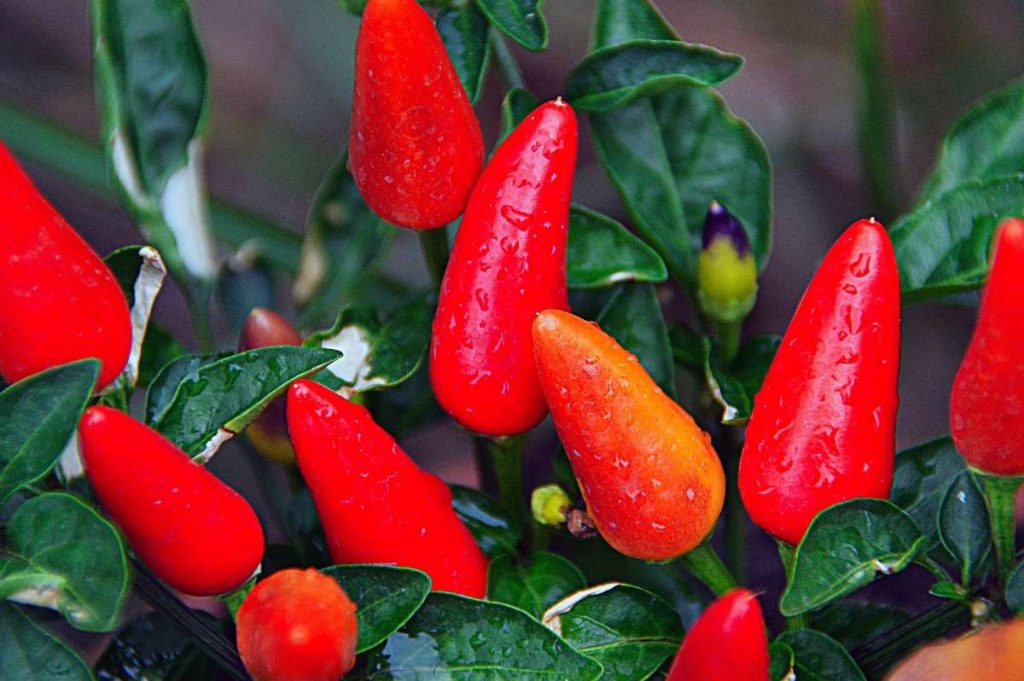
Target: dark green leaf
<point>942,247</point>
<point>533,586</point>
<point>854,623</point>
<point>921,478</point>
<point>619,21</point>
<point>464,32</point>
<point>612,76</point>
<point>30,653</point>
<point>782,657</point>
<point>151,647</point>
<point>963,525</point>
<point>820,658</point>
<point>949,590</point>
<point>386,597</point>
<point>520,20</point>
<point>68,558</point>
<point>487,520</point>
<point>217,400</point>
<point>456,637</point>
<point>1015,590</point>
<point>844,547</point>
<point>633,317</point>
<point>40,414</point>
<point>603,252</point>
<point>628,630</point>
<point>687,346</point>
<point>735,386</point>
<point>159,349</point>
<point>244,282</point>
<point>406,406</point>
<point>165,383</point>
<point>516,106</point>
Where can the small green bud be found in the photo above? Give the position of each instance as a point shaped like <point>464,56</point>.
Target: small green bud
<point>726,270</point>
<point>549,504</point>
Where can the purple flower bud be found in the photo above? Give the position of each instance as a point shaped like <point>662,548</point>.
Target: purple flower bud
<point>721,224</point>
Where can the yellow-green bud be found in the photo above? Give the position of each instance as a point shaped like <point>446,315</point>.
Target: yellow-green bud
<point>726,270</point>
<point>549,504</point>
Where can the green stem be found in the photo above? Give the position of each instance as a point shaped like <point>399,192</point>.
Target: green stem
<point>730,335</point>
<point>435,252</point>
<point>735,516</point>
<point>1001,496</point>
<point>507,65</point>
<point>706,566</point>
<point>787,554</point>
<point>507,458</point>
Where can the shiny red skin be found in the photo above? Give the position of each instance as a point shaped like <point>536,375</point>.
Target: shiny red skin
<point>727,643</point>
<point>823,424</point>
<point>507,264</point>
<point>297,625</point>
<point>986,413</point>
<point>193,531</point>
<point>415,146</point>
<point>375,503</point>
<point>58,300</point>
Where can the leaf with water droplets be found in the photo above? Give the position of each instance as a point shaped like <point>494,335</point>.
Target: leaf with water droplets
<point>920,480</point>
<point>495,531</point>
<point>964,526</point>
<point>520,20</point>
<point>534,585</point>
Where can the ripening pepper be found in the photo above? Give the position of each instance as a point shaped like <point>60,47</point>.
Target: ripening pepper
<point>269,432</point>
<point>987,404</point>
<point>823,425</point>
<point>507,264</point>
<point>727,642</point>
<point>653,484</point>
<point>297,625</point>
<point>375,503</point>
<point>58,300</point>
<point>726,270</point>
<point>415,146</point>
<point>193,531</point>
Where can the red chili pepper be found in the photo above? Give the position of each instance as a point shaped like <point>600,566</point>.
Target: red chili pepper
<point>651,479</point>
<point>415,146</point>
<point>193,531</point>
<point>58,300</point>
<point>507,264</point>
<point>988,393</point>
<point>727,642</point>
<point>375,504</point>
<point>297,625</point>
<point>823,424</point>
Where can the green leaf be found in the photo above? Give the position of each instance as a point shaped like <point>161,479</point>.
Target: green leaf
<point>853,623</point>
<point>165,383</point>
<point>735,386</point>
<point>520,20</point>
<point>942,247</point>
<point>217,400</point>
<point>628,630</point>
<point>1015,590</point>
<point>844,547</point>
<point>619,21</point>
<point>386,597</point>
<point>819,658</point>
<point>457,637</point>
<point>159,348</point>
<point>964,526</point>
<point>603,252</point>
<point>633,317</point>
<point>950,590</point>
<point>612,76</point>
<point>40,414</point>
<point>782,658</point>
<point>464,32</point>
<point>687,346</point>
<point>68,558</point>
<point>534,586</point>
<point>920,480</point>
<point>516,106</point>
<point>30,653</point>
<point>494,530</point>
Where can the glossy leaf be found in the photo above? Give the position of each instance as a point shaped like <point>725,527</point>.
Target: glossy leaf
<point>782,658</point>
<point>534,586</point>
<point>386,597</point>
<point>845,546</point>
<point>1015,590</point>
<point>619,21</point>
<point>612,76</point>
<point>495,532</point>
<point>630,631</point>
<point>853,623</point>
<point>819,658</point>
<point>457,637</point>
<point>159,348</point>
<point>66,557</point>
<point>603,252</point>
<point>30,653</point>
<point>464,32</point>
<point>40,414</point>
<point>516,106</point>
<point>920,480</point>
<point>964,526</point>
<point>520,20</point>
<point>165,383</point>
<point>633,317</point>
<point>734,387</point>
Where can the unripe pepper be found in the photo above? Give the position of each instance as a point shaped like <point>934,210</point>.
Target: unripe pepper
<point>727,642</point>
<point>651,479</point>
<point>987,404</point>
<point>823,425</point>
<point>507,264</point>
<point>375,503</point>
<point>297,625</point>
<point>415,146</point>
<point>58,300</point>
<point>193,531</point>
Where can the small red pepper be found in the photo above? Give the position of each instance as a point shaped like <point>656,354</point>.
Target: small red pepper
<point>193,531</point>
<point>415,146</point>
<point>58,300</point>
<point>987,404</point>
<point>507,264</point>
<point>297,625</point>
<point>823,425</point>
<point>727,642</point>
<point>375,503</point>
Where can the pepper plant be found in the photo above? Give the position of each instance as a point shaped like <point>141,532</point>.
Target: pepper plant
<point>611,569</point>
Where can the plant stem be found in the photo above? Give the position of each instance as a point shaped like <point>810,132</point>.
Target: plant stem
<point>506,455</point>
<point>706,566</point>
<point>729,335</point>
<point>435,252</point>
<point>1000,496</point>
<point>735,517</point>
<point>507,65</point>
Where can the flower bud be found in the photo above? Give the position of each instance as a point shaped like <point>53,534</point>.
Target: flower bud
<point>549,504</point>
<point>726,270</point>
